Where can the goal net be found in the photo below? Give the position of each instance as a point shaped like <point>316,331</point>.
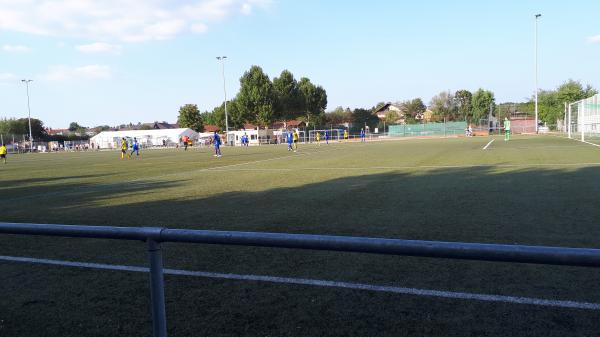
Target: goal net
<point>334,135</point>
<point>583,119</point>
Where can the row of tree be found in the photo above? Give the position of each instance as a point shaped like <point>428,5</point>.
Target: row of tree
<point>475,107</point>
<point>551,103</point>
<point>262,102</point>
<point>463,105</point>
<point>20,127</point>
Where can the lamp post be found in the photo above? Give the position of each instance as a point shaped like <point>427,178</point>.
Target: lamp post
<point>222,59</point>
<point>537,16</point>
<point>29,114</point>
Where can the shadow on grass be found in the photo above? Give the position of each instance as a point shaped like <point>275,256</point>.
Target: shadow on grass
<point>8,185</point>
<point>481,204</point>
<point>529,206</point>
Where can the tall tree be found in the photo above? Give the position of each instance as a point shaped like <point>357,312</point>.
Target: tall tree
<point>20,127</point>
<point>551,102</point>
<point>74,126</point>
<point>235,116</point>
<point>483,101</point>
<point>363,117</point>
<point>413,109</point>
<point>391,117</point>
<point>189,117</point>
<point>214,117</point>
<point>571,91</point>
<point>338,116</point>
<point>256,96</point>
<point>463,99</point>
<point>314,100</point>
<point>443,105</point>
<point>289,103</point>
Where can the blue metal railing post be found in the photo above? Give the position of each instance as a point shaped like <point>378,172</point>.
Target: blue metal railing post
<point>157,289</point>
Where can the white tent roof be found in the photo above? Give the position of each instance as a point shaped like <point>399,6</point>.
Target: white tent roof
<point>171,133</point>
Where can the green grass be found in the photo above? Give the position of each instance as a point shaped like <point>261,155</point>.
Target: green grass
<point>531,190</point>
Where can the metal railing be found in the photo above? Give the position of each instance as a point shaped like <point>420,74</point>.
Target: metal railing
<point>153,236</point>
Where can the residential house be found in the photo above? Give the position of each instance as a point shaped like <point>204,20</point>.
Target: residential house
<point>390,107</point>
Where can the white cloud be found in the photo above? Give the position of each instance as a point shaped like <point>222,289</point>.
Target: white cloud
<point>246,9</point>
<point>15,48</point>
<point>119,20</point>
<point>99,47</point>
<point>595,38</point>
<point>90,72</point>
<point>6,77</point>
<point>198,28</point>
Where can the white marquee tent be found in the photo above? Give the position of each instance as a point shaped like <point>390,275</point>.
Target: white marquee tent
<point>112,139</point>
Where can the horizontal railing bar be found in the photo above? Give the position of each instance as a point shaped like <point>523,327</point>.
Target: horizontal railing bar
<point>436,249</point>
<point>97,232</point>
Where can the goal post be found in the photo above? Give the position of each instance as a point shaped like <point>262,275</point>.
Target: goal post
<point>583,119</point>
<point>334,135</point>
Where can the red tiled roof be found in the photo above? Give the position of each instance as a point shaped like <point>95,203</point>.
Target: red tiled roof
<point>249,126</point>
<point>57,131</point>
<point>211,128</point>
<point>294,123</point>
<point>289,124</point>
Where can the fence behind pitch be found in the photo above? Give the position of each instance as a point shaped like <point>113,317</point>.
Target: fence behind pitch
<point>428,129</point>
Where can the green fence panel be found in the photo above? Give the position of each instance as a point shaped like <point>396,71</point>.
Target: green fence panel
<point>428,129</point>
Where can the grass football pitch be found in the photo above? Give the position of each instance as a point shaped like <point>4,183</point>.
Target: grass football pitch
<point>534,190</point>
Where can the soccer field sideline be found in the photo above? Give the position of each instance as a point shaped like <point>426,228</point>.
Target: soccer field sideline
<point>565,304</point>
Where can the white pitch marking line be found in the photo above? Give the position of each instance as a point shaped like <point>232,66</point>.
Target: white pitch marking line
<point>590,143</point>
<point>488,144</point>
<point>579,140</point>
<point>90,189</point>
<point>405,167</point>
<point>321,283</point>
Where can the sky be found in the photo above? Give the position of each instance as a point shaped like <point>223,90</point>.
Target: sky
<point>109,62</point>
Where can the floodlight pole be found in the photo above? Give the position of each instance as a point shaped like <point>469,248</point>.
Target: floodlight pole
<point>29,114</point>
<point>537,16</point>
<point>222,59</point>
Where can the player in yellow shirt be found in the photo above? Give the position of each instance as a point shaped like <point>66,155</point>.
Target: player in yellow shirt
<point>346,135</point>
<point>318,137</point>
<point>124,147</point>
<point>3,152</point>
<point>295,139</point>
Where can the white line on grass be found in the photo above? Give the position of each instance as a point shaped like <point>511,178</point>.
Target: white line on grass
<point>578,140</point>
<point>584,141</point>
<point>276,169</point>
<point>488,144</point>
<point>321,283</point>
<point>94,188</point>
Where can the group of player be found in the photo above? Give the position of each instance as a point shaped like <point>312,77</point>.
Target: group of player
<point>135,148</point>
<point>245,140</point>
<point>292,138</point>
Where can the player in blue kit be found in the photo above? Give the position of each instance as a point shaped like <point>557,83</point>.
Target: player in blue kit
<point>217,144</point>
<point>290,140</point>
<point>135,148</point>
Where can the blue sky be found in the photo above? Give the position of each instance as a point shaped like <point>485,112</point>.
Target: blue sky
<point>112,62</point>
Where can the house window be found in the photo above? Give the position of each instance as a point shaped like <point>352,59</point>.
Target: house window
<point>253,137</point>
